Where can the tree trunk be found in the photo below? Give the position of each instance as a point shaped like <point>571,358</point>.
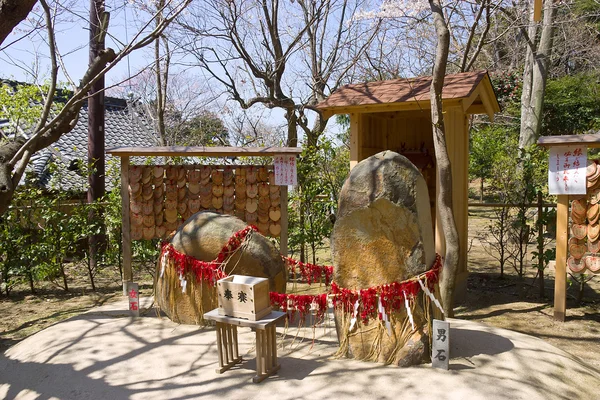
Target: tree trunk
<point>161,84</point>
<point>449,269</point>
<point>12,12</point>
<point>540,240</point>
<point>96,132</point>
<point>481,190</point>
<point>292,122</point>
<point>535,74</point>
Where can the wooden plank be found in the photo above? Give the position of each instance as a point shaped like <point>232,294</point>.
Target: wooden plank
<point>261,324</point>
<point>230,355</point>
<point>420,105</point>
<point>283,236</point>
<point>274,346</point>
<point>269,350</point>
<point>201,151</point>
<point>354,139</point>
<point>236,350</point>
<point>466,103</point>
<point>125,224</point>
<point>591,140</point>
<point>260,361</point>
<point>220,346</point>
<point>562,236</point>
<point>537,10</point>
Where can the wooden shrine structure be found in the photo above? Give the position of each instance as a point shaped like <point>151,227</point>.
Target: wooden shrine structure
<point>157,199</point>
<point>562,220</point>
<point>396,115</point>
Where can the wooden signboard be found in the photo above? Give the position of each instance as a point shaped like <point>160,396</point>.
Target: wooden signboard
<point>133,294</point>
<point>154,202</point>
<point>440,346</point>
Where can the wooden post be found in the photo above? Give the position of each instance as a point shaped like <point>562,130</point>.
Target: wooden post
<point>540,240</point>
<point>283,236</point>
<point>537,10</point>
<point>125,223</point>
<point>220,346</point>
<point>355,139</point>
<point>259,353</point>
<point>562,236</point>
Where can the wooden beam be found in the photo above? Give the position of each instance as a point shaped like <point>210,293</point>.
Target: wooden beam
<point>476,108</point>
<point>537,10</point>
<point>560,279</point>
<point>486,100</point>
<point>355,139</point>
<point>421,105</point>
<point>283,206</point>
<point>591,140</point>
<point>125,224</point>
<point>200,151</point>
<point>326,114</point>
<point>466,103</point>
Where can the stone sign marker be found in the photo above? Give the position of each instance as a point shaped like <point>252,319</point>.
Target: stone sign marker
<point>440,348</point>
<point>134,298</point>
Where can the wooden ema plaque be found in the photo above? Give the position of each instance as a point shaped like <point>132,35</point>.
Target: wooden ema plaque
<point>243,297</point>
<point>162,198</point>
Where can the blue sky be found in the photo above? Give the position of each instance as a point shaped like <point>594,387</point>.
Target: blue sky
<point>29,57</point>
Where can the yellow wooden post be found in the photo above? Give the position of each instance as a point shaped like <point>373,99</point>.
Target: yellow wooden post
<point>537,10</point>
<point>355,139</point>
<point>283,236</point>
<point>562,236</point>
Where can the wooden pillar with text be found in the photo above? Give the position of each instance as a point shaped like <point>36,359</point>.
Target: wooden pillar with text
<point>576,181</point>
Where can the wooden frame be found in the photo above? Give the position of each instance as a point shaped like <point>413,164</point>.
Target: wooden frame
<point>377,125</point>
<point>266,342</point>
<point>125,153</point>
<point>562,221</point>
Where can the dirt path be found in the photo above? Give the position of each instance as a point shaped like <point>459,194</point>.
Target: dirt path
<point>514,304</point>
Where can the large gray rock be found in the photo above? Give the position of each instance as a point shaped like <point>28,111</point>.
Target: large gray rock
<point>203,236</point>
<point>383,233</point>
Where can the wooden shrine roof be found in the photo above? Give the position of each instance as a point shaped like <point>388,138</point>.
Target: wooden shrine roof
<point>588,140</point>
<point>202,151</point>
<point>474,87</point>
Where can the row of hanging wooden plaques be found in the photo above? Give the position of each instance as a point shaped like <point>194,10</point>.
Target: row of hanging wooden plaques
<point>161,198</point>
<point>584,244</point>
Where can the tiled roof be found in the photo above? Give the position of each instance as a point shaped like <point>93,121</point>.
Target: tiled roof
<point>124,126</point>
<point>456,86</point>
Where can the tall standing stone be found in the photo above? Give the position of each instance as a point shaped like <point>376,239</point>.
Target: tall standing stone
<point>384,233</point>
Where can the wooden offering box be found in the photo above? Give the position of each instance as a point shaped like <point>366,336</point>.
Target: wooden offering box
<point>244,297</point>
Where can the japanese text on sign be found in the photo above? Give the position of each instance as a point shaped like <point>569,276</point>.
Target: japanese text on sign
<point>567,170</point>
<point>134,298</point>
<point>440,349</point>
<point>285,170</point>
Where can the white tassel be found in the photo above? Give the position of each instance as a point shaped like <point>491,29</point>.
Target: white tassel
<point>163,262</point>
<point>354,313</point>
<point>410,316</point>
<point>182,282</point>
<point>384,316</point>
<point>431,296</point>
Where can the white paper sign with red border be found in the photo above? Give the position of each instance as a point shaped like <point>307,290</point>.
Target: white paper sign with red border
<point>285,170</point>
<point>567,170</point>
